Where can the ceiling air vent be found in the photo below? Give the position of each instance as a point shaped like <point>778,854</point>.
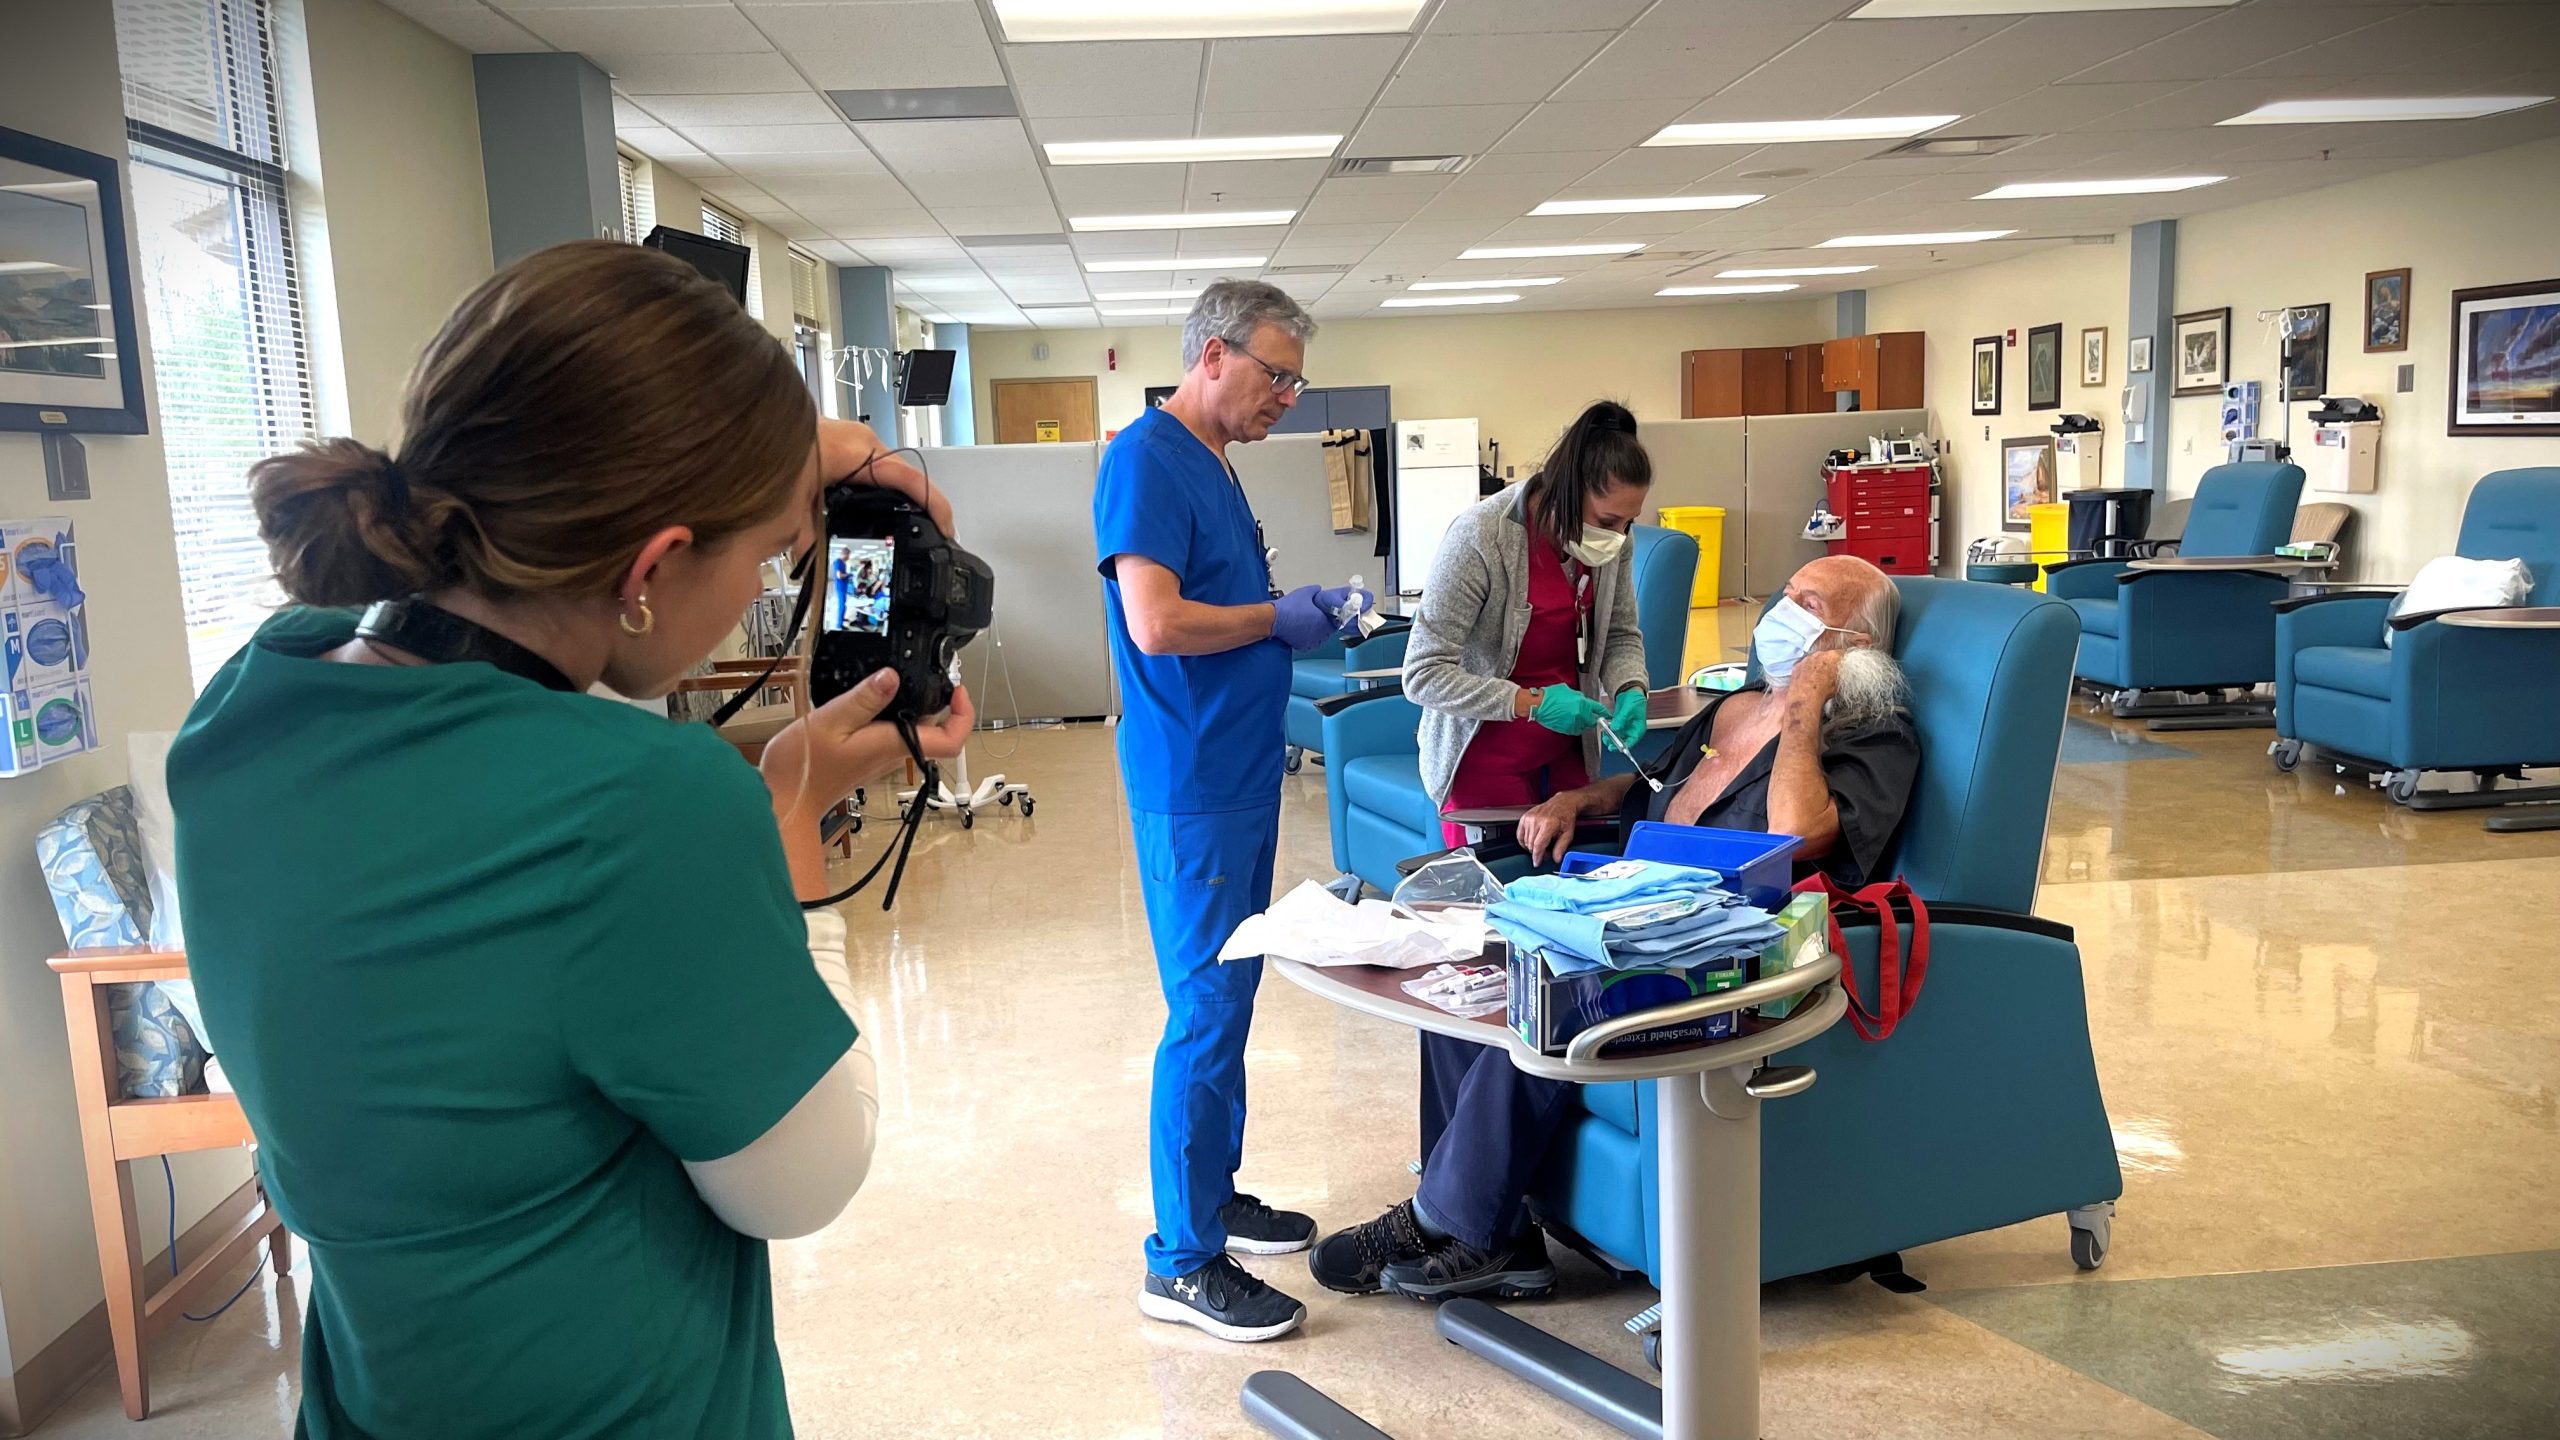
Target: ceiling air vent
<point>1401,165</point>
<point>1308,270</point>
<point>1956,147</point>
<point>949,102</point>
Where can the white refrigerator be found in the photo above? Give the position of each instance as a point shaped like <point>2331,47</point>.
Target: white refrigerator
<point>1435,479</point>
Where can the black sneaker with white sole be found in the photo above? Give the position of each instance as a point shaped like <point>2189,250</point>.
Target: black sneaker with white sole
<point>1223,1298</point>
<point>1352,1260</point>
<point>1254,1228</point>
<point>1516,1269</point>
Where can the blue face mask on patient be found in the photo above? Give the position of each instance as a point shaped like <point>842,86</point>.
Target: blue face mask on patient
<point>1787,633</point>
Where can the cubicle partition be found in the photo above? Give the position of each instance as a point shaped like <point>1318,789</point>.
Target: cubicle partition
<point>1028,510</point>
<point>1782,470</point>
<point>1284,479</point>
<point>1700,462</point>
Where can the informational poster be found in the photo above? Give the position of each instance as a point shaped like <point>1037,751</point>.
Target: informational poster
<point>45,709</point>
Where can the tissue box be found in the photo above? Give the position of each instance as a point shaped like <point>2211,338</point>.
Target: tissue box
<point>1808,939</point>
<point>1548,1010</point>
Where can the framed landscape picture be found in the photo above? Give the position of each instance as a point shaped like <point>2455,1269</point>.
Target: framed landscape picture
<point>68,360</point>
<point>1986,375</point>
<point>2306,334</point>
<point>2044,367</point>
<point>2506,360</point>
<point>2093,356</point>
<point>2200,351</point>
<point>2386,310</point>
<point>2137,355</point>
<point>2026,479</point>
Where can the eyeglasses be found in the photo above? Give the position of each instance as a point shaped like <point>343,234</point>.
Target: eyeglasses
<point>1283,382</point>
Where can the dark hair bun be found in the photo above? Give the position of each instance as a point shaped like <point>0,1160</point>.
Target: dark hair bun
<point>340,525</point>
<point>1608,416</point>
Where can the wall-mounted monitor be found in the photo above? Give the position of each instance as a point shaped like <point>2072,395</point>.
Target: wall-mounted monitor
<point>722,261</point>
<point>924,376</point>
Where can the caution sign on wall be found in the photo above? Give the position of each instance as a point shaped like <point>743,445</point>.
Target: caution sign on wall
<point>1046,431</point>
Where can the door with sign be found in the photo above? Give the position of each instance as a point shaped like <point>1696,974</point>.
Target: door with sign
<point>1029,412</point>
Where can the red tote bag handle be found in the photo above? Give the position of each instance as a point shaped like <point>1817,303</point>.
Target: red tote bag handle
<point>1897,981</point>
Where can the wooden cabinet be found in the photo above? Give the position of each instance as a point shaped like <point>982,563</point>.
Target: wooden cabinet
<point>1883,371</point>
<point>1720,384</point>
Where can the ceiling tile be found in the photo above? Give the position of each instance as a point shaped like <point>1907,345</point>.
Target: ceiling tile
<point>630,114</point>
<point>1371,233</point>
<point>756,72</point>
<point>997,219</point>
<point>480,31</point>
<point>612,36</point>
<point>1537,162</point>
<point>739,193</point>
<point>743,140</point>
<point>1532,17</point>
<point>1434,129</point>
<point>1117,189</point>
<point>1242,180</point>
<point>1679,64</point>
<point>1069,129</point>
<point>1611,125</point>
<point>1280,122</point>
<point>884,44</point>
<point>1830,69</point>
<point>700,168</point>
<point>1478,69</point>
<point>2078,104</point>
<point>2021,58</point>
<point>1114,78</point>
<point>1310,72</point>
<point>804,108</point>
<point>660,145</point>
<point>950,147</point>
<point>2227,40</point>
<point>810,194</point>
<point>822,164</point>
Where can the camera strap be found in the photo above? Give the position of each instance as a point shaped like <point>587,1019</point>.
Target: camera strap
<point>440,637</point>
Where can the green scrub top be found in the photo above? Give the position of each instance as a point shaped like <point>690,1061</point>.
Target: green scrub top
<point>485,961</point>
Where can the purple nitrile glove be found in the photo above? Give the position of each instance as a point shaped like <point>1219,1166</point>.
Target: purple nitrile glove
<point>1303,618</point>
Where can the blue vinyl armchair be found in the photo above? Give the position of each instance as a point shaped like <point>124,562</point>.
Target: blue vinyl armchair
<point>1318,673</point>
<point>2206,630</point>
<point>1983,1107</point>
<point>2440,696</point>
<point>1373,760</point>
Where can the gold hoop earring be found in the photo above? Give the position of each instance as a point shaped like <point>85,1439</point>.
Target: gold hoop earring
<point>648,618</point>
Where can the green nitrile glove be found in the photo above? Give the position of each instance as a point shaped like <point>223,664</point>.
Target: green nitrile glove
<point>1567,711</point>
<point>1626,718</point>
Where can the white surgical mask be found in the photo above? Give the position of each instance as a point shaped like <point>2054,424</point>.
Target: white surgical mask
<point>1787,633</point>
<point>1597,547</point>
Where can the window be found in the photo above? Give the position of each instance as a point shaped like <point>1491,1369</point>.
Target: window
<point>214,242</point>
<point>719,224</point>
<point>630,172</point>
<point>808,332</point>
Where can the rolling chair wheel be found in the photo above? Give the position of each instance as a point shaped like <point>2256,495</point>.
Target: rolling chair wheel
<point>1026,807</point>
<point>2286,754</point>
<point>1653,1349</point>
<point>968,819</point>
<point>2087,1250</point>
<point>1292,760</point>
<point>2403,786</point>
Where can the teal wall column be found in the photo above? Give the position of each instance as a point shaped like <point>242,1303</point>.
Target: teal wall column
<point>1848,317</point>
<point>870,318</point>
<point>960,417</point>
<point>546,149</point>
<point>2153,297</point>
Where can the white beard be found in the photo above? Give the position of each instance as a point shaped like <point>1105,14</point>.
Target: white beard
<point>1870,690</point>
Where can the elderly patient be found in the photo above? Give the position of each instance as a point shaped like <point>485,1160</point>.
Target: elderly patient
<point>1821,748</point>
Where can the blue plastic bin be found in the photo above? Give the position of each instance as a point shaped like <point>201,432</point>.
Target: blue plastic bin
<point>1754,863</point>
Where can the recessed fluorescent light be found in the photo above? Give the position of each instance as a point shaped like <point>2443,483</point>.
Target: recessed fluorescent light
<point>1918,237</point>
<point>1653,206</point>
<point>29,267</point>
<point>1533,252</point>
<point>1191,294</point>
<point>1185,264</point>
<point>2328,112</point>
<point>1152,310</point>
<point>1927,9</point>
<point>1781,132</point>
<point>1416,302</point>
<point>1486,284</point>
<point>1793,270</point>
<point>1185,152</point>
<point>2055,189</point>
<point>1200,220</point>
<point>1028,22</point>
<point>1725,289</point>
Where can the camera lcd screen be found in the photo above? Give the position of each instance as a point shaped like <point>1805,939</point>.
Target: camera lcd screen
<point>857,580</point>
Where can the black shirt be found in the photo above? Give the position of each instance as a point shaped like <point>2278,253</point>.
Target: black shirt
<point>1869,771</point>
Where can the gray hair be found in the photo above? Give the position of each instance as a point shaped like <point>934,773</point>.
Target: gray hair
<point>1882,614</point>
<point>1232,310</point>
<point>1868,690</point>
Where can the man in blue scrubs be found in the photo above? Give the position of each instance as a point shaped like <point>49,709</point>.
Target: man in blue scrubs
<point>1201,640</point>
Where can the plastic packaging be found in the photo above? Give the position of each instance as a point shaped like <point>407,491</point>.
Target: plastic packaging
<point>1362,606</point>
<point>1455,881</point>
<point>1465,991</point>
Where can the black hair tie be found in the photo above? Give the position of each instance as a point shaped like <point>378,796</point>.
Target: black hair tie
<point>395,486</point>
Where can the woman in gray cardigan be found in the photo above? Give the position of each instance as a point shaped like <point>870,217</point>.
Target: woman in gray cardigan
<point>1526,642</point>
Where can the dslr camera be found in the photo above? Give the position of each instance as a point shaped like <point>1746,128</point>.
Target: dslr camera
<point>894,592</point>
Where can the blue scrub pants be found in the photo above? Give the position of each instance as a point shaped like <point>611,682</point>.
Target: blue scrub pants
<point>1201,875</point>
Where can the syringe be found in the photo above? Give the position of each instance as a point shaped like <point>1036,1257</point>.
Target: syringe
<point>1610,738</point>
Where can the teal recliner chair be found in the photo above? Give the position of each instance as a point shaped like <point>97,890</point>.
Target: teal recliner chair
<point>2206,631</point>
<point>1317,674</point>
<point>1982,1109</point>
<point>1373,760</point>
<point>2440,696</point>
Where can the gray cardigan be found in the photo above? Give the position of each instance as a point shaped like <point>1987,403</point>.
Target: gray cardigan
<point>1466,638</point>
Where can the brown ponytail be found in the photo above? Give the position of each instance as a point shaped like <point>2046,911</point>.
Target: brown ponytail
<point>1597,451</point>
<point>582,399</point>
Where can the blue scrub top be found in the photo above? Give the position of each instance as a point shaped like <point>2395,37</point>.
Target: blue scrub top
<point>1198,733</point>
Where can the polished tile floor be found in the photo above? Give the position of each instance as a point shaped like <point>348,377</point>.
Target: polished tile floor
<point>2327,1028</point>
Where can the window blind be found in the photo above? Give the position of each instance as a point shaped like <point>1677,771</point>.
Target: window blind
<point>630,169</point>
<point>215,251</point>
<point>719,224</point>
<point>806,304</point>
